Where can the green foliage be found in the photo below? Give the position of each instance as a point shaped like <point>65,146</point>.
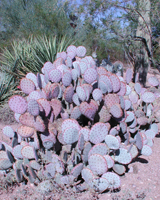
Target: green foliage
<point>7,88</point>
<point>45,48</point>
<point>29,55</point>
<point>21,18</point>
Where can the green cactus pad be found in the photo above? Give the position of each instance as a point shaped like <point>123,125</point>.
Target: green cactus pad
<point>100,149</point>
<point>17,151</point>
<point>5,164</point>
<point>119,169</point>
<point>77,170</point>
<point>133,96</point>
<point>87,175</point>
<point>81,93</point>
<point>70,135</point>
<point>3,154</point>
<point>153,81</point>
<point>116,111</point>
<point>98,132</point>
<point>109,160</point>
<point>99,184</point>
<point>86,150</point>
<point>148,97</point>
<point>112,142</point>
<point>68,123</point>
<point>150,134</point>
<point>146,150</point>
<point>113,180</point>
<point>122,156</point>
<point>35,165</point>
<point>97,164</point>
<point>8,131</point>
<point>50,168</point>
<point>28,152</point>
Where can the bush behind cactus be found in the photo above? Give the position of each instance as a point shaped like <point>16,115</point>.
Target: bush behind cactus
<point>79,123</point>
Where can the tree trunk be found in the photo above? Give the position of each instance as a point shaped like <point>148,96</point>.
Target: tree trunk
<point>143,42</point>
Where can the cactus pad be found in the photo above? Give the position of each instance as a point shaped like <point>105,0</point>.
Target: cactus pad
<point>112,142</point>
<point>113,180</point>
<point>27,86</point>
<point>109,160</point>
<point>18,104</point>
<point>146,150</point>
<point>99,184</point>
<point>100,149</point>
<point>148,97</point>
<point>77,170</point>
<point>70,135</point>
<point>28,152</point>
<point>98,132</point>
<point>8,131</point>
<point>5,164</point>
<point>97,164</point>
<point>81,51</point>
<point>87,175</point>
<point>33,107</point>
<point>116,111</point>
<point>25,131</point>
<point>122,156</point>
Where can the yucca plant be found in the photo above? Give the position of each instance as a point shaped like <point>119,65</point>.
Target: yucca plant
<point>7,88</point>
<point>29,55</point>
<point>18,60</point>
<point>46,48</point>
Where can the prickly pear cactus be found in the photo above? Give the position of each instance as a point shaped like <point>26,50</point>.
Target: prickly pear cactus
<point>79,122</point>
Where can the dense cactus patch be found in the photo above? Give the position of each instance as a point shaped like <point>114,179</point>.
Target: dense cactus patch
<point>80,124</point>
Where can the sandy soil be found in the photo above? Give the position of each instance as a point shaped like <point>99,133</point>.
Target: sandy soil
<point>141,182</point>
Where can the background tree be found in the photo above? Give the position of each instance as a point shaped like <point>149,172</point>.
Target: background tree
<point>128,22</point>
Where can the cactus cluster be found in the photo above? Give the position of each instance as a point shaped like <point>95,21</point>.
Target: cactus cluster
<point>80,125</point>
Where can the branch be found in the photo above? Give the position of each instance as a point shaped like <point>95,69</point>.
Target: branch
<point>143,40</point>
<point>132,9</point>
